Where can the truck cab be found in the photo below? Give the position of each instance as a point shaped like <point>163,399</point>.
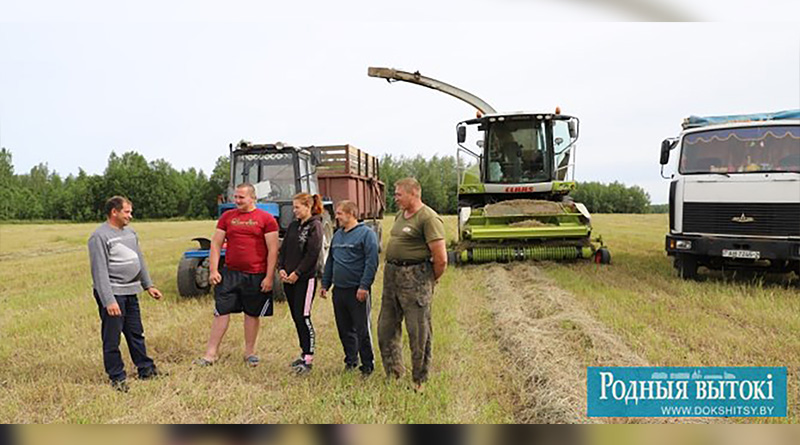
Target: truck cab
<point>734,197</point>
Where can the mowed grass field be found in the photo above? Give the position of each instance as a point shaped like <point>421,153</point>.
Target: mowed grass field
<point>717,321</point>
<point>51,363</point>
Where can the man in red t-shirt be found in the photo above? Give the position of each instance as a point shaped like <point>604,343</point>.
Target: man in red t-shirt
<point>244,284</point>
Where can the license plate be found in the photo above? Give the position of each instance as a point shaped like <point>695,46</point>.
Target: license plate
<point>746,254</point>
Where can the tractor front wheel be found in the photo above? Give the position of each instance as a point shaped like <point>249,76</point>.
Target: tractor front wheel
<point>193,277</point>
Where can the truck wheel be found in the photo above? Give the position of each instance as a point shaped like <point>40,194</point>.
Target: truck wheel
<point>602,256</point>
<point>687,266</point>
<point>278,294</point>
<point>193,277</point>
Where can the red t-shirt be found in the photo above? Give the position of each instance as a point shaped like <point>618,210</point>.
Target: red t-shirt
<point>244,231</point>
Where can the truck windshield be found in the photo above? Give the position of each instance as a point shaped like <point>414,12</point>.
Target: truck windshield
<point>272,174</point>
<point>517,152</point>
<point>742,150</point>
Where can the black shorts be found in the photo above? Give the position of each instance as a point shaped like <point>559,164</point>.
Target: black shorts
<point>241,292</point>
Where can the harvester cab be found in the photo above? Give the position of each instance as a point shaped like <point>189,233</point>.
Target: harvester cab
<point>514,184</point>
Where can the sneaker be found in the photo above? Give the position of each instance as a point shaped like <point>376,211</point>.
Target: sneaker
<point>303,368</point>
<point>120,385</point>
<point>297,363</point>
<point>366,371</point>
<point>348,367</point>
<point>151,373</point>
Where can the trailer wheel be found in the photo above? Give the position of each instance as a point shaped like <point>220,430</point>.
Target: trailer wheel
<point>687,266</point>
<point>379,226</point>
<point>193,277</point>
<point>278,294</point>
<point>327,237</point>
<point>602,256</point>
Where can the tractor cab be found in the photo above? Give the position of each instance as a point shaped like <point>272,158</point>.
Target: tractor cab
<point>278,172</point>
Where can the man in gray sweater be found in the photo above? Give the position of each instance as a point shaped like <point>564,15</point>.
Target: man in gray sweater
<point>119,274</point>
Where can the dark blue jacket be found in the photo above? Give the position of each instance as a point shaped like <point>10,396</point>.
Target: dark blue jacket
<point>352,259</point>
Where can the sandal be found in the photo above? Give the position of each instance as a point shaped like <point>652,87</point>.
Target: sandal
<point>252,360</point>
<point>202,362</point>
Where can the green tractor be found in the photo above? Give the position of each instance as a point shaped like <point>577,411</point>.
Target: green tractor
<point>513,190</point>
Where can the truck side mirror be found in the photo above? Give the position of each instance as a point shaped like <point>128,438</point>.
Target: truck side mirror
<point>461,134</point>
<point>573,129</point>
<point>666,147</point>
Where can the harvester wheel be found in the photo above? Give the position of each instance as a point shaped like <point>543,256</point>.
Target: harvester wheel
<point>452,258</point>
<point>602,256</point>
<point>192,277</point>
<point>687,266</point>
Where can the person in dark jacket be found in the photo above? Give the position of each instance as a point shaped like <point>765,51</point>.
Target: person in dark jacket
<point>297,268</point>
<point>350,268</point>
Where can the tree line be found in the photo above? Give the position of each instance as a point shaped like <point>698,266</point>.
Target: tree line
<point>159,191</point>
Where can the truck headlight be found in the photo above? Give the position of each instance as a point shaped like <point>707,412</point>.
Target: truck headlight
<point>683,245</point>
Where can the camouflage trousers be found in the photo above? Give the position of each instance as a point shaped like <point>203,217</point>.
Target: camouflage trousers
<point>407,293</point>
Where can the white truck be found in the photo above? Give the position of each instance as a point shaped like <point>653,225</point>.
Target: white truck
<point>734,196</point>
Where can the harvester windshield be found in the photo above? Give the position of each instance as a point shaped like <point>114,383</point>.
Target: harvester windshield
<point>517,152</point>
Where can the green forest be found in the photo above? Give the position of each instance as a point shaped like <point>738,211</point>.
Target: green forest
<point>159,191</point>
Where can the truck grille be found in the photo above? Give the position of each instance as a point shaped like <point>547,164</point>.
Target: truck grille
<point>758,219</point>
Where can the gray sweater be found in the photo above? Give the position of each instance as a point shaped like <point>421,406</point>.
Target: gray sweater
<point>118,266</point>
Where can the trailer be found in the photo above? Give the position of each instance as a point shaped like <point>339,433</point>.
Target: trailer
<point>345,172</point>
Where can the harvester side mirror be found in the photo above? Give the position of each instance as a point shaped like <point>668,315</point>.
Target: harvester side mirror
<point>461,134</point>
<point>573,129</point>
<point>666,146</point>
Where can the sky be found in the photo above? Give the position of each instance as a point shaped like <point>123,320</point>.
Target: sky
<point>181,80</point>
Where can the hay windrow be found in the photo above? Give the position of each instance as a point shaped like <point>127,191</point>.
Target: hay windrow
<point>551,340</point>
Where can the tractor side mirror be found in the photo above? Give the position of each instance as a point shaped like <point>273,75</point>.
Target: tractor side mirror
<point>316,156</point>
<point>573,129</point>
<point>666,146</point>
<point>461,134</point>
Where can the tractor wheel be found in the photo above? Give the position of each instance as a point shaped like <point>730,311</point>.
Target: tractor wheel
<point>602,256</point>
<point>686,265</point>
<point>193,277</point>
